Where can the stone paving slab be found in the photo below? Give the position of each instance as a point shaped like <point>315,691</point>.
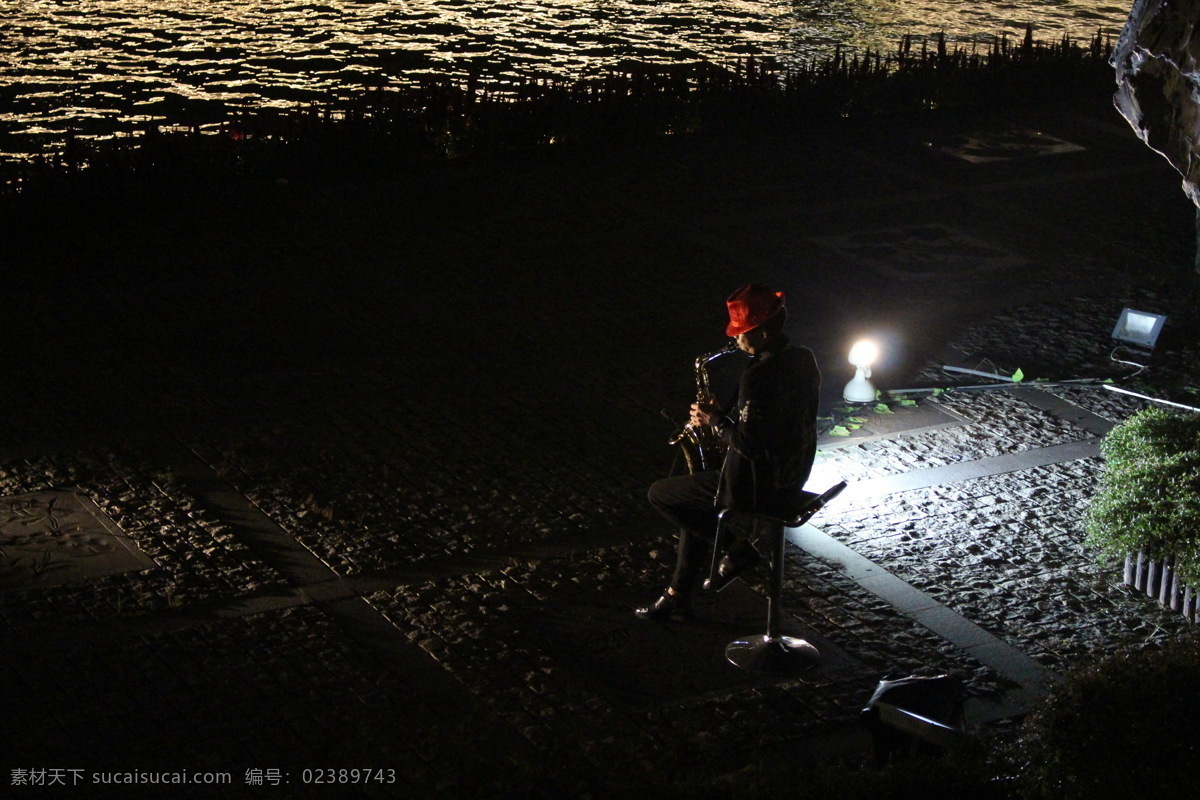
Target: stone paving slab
<point>1015,143</point>
<point>60,536</point>
<point>911,418</point>
<point>188,556</point>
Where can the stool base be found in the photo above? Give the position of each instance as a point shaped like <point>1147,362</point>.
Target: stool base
<point>779,654</point>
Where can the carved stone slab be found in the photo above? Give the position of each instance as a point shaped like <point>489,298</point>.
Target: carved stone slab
<point>981,148</point>
<point>898,419</point>
<point>60,536</point>
<point>922,251</point>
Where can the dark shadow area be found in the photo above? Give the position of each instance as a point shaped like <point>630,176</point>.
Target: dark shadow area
<point>408,362</point>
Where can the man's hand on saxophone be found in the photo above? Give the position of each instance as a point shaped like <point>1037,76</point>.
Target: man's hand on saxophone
<point>705,414</point>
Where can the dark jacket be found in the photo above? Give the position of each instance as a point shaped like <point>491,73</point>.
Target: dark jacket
<point>771,436</point>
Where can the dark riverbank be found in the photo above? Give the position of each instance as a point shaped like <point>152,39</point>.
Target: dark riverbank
<point>441,118</point>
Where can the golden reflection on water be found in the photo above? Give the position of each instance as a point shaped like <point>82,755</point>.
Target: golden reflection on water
<point>880,24</point>
<point>104,66</point>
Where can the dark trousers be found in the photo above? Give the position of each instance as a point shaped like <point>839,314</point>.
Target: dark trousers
<point>688,502</point>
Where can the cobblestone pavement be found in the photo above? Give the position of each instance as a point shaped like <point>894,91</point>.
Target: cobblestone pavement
<point>387,445</point>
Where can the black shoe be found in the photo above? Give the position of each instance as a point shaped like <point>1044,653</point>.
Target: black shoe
<point>668,608</point>
<point>733,565</point>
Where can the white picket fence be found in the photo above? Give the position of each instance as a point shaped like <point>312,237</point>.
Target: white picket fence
<point>1157,578</point>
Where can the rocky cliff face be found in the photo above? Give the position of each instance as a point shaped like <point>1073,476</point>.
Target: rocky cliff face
<point>1158,82</point>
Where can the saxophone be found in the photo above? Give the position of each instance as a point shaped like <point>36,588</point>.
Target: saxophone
<point>701,447</point>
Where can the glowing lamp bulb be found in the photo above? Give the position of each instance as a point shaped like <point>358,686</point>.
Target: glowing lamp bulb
<point>860,389</point>
<point>863,354</point>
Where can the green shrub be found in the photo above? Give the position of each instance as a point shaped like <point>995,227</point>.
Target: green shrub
<point>1149,497</point>
<point>1122,728</point>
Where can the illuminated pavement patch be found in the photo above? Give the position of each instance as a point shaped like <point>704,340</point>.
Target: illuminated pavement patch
<point>1030,678</point>
<point>991,544</point>
<point>59,536</point>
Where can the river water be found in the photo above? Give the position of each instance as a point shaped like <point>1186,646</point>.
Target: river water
<point>103,67</point>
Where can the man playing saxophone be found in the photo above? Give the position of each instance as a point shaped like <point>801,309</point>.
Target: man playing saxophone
<point>770,441</point>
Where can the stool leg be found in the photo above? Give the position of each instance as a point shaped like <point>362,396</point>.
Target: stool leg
<point>772,652</point>
<point>776,588</point>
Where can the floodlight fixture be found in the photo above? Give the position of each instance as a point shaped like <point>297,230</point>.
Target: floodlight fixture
<point>860,389</point>
<point>1139,328</point>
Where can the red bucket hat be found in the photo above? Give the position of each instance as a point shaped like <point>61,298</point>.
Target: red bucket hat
<point>751,306</point>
